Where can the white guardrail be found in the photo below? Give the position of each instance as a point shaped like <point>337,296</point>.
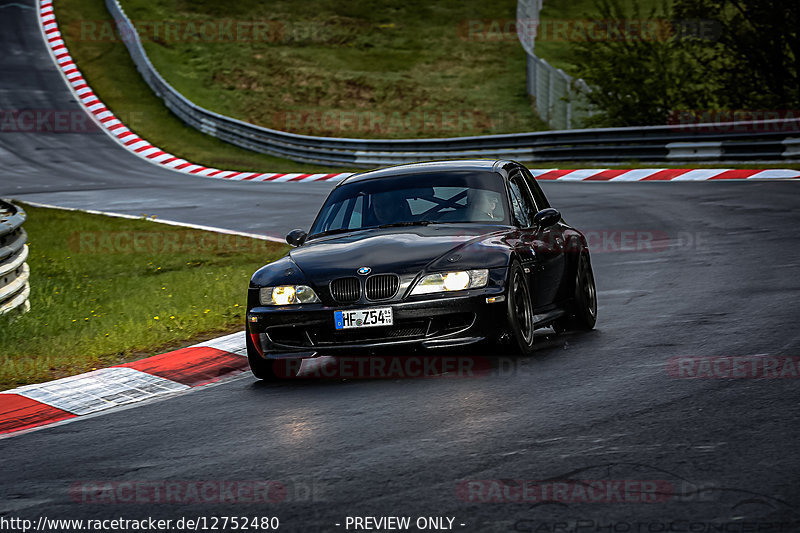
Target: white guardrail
<point>775,140</point>
<point>14,271</point>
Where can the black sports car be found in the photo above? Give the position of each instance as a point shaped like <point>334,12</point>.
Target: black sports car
<point>425,255</point>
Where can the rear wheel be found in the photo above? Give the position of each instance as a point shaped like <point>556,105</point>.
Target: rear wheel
<point>582,314</point>
<point>520,310</point>
<point>270,369</point>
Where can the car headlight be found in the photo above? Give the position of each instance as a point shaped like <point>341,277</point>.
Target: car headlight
<point>287,295</point>
<point>452,281</point>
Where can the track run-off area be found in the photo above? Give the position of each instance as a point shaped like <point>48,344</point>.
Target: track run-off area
<point>701,269</point>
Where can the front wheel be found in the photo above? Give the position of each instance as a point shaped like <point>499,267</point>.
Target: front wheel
<point>520,310</point>
<point>582,314</point>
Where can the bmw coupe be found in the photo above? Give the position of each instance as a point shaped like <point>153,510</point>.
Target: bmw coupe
<point>422,256</point>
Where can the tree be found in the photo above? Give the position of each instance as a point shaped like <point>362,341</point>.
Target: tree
<point>749,61</point>
<point>755,62</point>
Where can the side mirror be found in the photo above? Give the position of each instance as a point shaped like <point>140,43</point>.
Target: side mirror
<point>296,237</point>
<point>546,217</point>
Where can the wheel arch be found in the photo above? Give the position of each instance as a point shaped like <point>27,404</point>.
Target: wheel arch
<point>576,248</point>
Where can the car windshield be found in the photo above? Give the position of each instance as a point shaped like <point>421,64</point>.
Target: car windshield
<point>471,197</point>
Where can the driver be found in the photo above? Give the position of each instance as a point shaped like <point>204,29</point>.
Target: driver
<point>387,208</point>
<point>482,205</point>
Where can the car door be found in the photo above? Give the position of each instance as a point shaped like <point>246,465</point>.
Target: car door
<point>523,209</point>
<point>551,254</point>
<point>542,248</point>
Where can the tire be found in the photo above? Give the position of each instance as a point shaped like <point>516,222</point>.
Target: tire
<point>270,369</point>
<point>582,313</point>
<point>520,310</point>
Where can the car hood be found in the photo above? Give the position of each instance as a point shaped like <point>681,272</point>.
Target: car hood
<point>398,250</point>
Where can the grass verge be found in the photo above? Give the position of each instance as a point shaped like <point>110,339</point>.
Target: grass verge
<point>374,69</point>
<point>108,290</point>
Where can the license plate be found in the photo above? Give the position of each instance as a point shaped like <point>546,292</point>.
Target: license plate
<point>363,318</point>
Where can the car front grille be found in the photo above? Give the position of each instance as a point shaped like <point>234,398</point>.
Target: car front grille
<point>346,290</point>
<point>382,286</point>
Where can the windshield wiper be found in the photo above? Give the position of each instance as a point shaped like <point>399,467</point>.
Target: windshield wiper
<point>402,224</point>
<point>392,225</point>
<point>332,232</point>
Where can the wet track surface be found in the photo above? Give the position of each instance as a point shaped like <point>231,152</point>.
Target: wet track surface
<point>720,279</point>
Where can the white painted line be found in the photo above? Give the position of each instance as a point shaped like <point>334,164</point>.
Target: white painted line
<point>159,221</point>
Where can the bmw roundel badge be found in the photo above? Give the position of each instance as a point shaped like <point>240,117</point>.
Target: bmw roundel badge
<point>364,270</point>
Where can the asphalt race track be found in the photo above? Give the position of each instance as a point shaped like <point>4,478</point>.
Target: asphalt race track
<point>717,276</point>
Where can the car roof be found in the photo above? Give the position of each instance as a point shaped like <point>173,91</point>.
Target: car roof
<point>475,165</point>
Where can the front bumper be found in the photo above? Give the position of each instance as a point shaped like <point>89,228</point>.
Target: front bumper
<point>438,321</point>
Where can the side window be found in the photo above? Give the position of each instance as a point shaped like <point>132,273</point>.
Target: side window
<point>332,212</point>
<point>343,215</point>
<point>521,202</point>
<point>338,219</point>
<point>538,196</point>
